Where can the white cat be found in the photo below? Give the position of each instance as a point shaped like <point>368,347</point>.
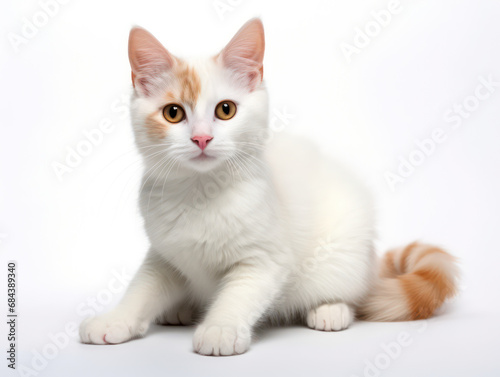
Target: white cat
<point>244,231</point>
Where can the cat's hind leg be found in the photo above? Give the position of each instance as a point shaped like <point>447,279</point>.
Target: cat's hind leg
<point>330,317</point>
<point>180,315</point>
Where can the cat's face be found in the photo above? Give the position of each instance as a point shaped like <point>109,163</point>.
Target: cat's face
<point>197,115</point>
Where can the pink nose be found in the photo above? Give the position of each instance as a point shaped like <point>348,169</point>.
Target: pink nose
<point>201,141</point>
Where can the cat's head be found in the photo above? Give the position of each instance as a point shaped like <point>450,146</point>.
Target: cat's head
<point>197,115</point>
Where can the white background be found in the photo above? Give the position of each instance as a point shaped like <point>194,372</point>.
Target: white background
<point>71,236</point>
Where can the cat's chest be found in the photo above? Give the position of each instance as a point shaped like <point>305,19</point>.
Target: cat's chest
<point>192,228</point>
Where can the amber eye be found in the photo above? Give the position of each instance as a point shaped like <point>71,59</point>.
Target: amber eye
<point>225,110</point>
<point>173,113</point>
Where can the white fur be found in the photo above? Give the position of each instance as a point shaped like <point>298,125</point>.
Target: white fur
<point>330,317</point>
<point>259,232</point>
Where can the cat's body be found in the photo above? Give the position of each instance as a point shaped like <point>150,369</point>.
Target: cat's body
<point>245,230</point>
<point>312,228</point>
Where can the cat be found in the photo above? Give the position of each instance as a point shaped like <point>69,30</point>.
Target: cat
<point>245,231</point>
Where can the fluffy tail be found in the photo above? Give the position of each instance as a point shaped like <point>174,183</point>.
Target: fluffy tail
<point>413,282</point>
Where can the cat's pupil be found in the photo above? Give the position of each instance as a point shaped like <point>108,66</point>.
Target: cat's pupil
<point>225,108</point>
<point>172,112</point>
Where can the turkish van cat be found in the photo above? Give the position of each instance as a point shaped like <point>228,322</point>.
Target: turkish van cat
<point>244,231</point>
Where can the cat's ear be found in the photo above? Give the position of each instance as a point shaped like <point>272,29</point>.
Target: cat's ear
<point>244,54</point>
<point>148,60</point>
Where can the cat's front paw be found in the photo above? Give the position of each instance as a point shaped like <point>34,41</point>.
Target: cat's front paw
<point>110,329</point>
<point>215,340</point>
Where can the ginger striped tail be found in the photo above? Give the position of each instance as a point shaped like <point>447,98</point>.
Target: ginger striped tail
<point>413,282</point>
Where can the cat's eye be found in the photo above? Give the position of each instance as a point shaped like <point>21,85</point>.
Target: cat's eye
<point>173,113</point>
<point>225,110</point>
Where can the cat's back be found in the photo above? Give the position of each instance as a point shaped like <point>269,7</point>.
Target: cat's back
<point>318,192</point>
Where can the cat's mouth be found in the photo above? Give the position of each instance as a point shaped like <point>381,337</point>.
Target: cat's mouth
<point>203,157</point>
